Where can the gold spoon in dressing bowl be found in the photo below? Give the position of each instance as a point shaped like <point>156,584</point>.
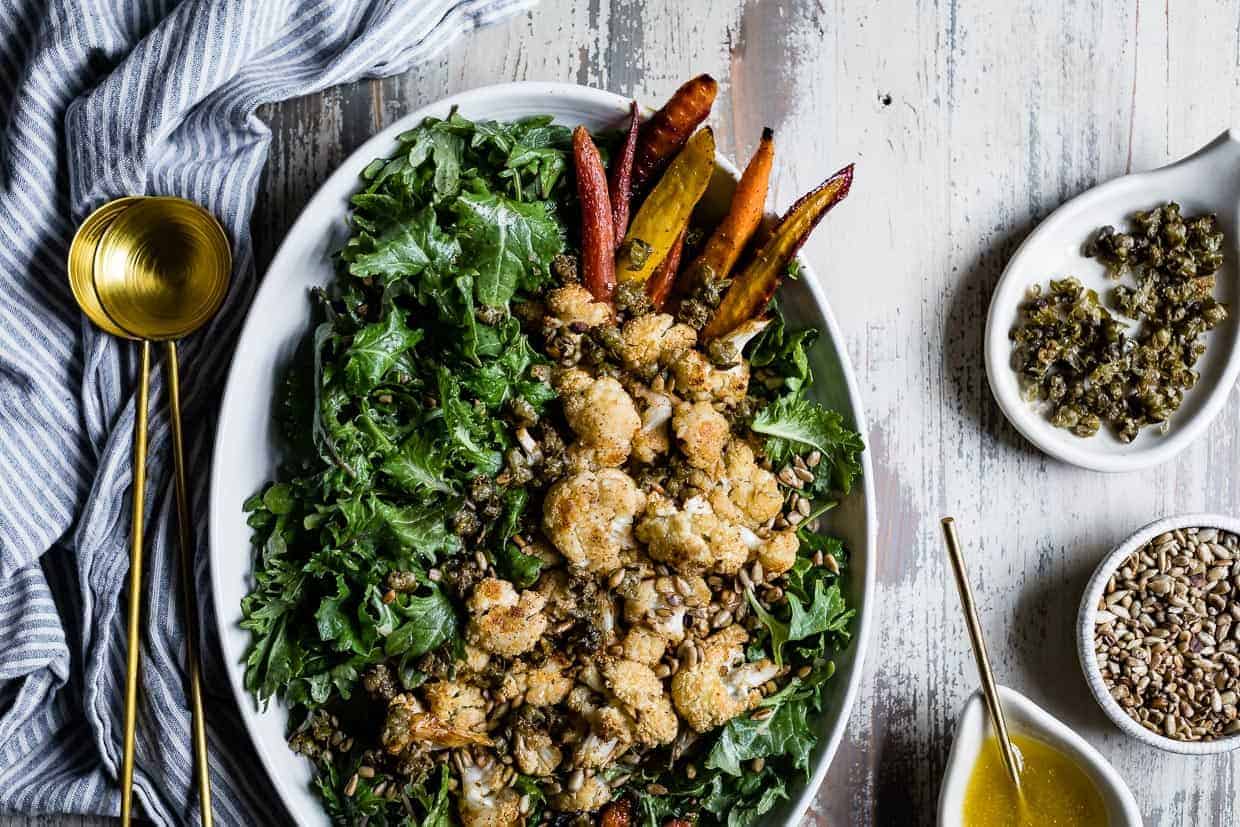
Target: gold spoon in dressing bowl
<point>990,690</point>
<point>154,269</point>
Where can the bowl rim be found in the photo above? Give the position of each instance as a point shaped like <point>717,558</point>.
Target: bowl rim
<point>1087,614</point>
<point>381,144</point>
<point>1026,418</point>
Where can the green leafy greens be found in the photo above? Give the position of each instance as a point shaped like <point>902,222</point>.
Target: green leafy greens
<point>384,441</point>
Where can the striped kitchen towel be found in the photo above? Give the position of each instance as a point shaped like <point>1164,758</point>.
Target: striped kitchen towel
<point>102,98</point>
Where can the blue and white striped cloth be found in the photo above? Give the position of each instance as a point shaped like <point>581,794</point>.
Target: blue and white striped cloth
<point>98,99</point>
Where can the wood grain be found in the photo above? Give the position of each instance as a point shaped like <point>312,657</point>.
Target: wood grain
<point>968,122</point>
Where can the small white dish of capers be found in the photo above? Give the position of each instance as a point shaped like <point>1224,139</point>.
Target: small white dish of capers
<point>1150,421</point>
<point>1158,634</point>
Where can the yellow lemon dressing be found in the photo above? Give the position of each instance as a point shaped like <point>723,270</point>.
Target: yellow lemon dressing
<point>1057,792</point>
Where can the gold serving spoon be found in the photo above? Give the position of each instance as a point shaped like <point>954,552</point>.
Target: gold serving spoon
<point>990,689</point>
<point>154,269</point>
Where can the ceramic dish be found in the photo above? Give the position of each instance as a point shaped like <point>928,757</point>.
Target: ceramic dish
<point>1085,634</point>
<point>1206,181</point>
<point>246,446</point>
<point>1024,716</point>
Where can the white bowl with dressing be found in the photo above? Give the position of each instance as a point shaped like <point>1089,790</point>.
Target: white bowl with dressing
<point>1027,718</point>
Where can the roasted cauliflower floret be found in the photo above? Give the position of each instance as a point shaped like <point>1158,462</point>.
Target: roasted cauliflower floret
<point>649,604</point>
<point>536,753</point>
<point>702,434</point>
<point>485,800</point>
<point>635,686</point>
<point>721,685</point>
<point>609,731</point>
<point>602,415</point>
<point>589,518</point>
<point>779,552</point>
<point>700,380</point>
<point>503,621</point>
<point>645,645</point>
<point>593,794</point>
<point>747,493</point>
<point>459,705</point>
<point>546,684</point>
<point>572,304</point>
<point>652,340</point>
<point>692,539</point>
<point>653,438</point>
<point>408,724</point>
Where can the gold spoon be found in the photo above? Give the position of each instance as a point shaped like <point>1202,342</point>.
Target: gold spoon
<point>155,269</point>
<point>990,689</point>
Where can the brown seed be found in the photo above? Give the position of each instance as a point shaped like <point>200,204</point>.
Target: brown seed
<point>656,789</point>
<point>814,458</point>
<point>576,781</point>
<point>757,765</point>
<point>351,787</point>
<point>616,578</point>
<point>722,618</point>
<point>762,713</point>
<point>832,563</point>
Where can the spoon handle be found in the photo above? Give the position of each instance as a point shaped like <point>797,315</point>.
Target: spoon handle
<point>189,595</point>
<point>990,689</point>
<point>135,584</point>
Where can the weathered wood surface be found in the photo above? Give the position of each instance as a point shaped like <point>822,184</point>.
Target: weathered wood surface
<point>969,121</point>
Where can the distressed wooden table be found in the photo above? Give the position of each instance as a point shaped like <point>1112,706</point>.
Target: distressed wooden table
<point>969,121</point>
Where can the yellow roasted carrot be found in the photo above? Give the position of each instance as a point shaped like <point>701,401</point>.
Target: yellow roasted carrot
<point>753,287</point>
<point>724,247</point>
<point>666,210</point>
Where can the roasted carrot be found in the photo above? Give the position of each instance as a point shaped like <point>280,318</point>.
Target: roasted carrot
<point>666,210</point>
<point>669,128</point>
<point>598,243</point>
<point>754,286</point>
<point>724,247</point>
<point>620,176</point>
<point>664,279</point>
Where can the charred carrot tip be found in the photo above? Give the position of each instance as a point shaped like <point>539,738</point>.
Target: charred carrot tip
<point>768,134</point>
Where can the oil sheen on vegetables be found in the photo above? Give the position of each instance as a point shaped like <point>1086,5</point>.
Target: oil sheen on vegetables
<point>1057,792</point>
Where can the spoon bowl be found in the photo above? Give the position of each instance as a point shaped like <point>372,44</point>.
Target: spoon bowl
<point>1206,181</point>
<point>161,268</point>
<point>82,262</point>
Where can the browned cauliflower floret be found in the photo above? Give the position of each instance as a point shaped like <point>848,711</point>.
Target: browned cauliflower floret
<point>503,621</point>
<point>573,304</point>
<point>700,380</point>
<point>779,552</point>
<point>652,439</point>
<point>543,685</point>
<point>602,414</point>
<point>593,794</point>
<point>635,686</point>
<point>644,645</point>
<point>459,705</point>
<point>747,494</point>
<point>721,685</point>
<point>485,800</point>
<point>693,539</point>
<point>589,518</point>
<point>536,753</point>
<point>408,724</point>
<point>609,731</point>
<point>649,604</point>
<point>702,433</point>
<point>475,660</point>
<point>653,339</point>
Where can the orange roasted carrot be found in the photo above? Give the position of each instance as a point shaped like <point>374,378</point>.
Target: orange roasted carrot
<point>598,242</point>
<point>667,130</point>
<point>724,247</point>
<point>754,286</point>
<point>617,814</point>
<point>660,285</point>
<point>620,177</point>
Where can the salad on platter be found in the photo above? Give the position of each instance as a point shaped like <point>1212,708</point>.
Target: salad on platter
<point>549,545</point>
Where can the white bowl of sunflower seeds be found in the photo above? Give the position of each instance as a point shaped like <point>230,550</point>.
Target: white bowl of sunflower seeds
<point>1159,634</point>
